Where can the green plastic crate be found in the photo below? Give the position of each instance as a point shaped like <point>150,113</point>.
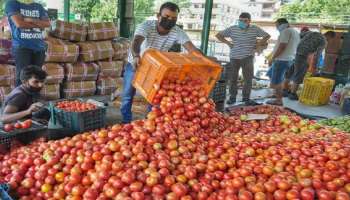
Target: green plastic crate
<point>78,121</point>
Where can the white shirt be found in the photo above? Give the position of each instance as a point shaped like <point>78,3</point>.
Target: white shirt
<point>153,39</point>
<point>292,38</point>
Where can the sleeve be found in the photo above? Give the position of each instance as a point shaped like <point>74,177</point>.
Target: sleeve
<point>12,8</point>
<point>182,37</point>
<point>261,32</point>
<point>285,36</point>
<point>226,32</point>
<point>17,101</point>
<point>142,29</point>
<point>43,13</point>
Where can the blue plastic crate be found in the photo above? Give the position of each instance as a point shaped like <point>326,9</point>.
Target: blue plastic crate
<point>4,189</point>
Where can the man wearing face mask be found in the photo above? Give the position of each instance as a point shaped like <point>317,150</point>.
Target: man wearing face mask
<point>282,57</point>
<point>22,102</point>
<point>27,20</point>
<point>243,43</point>
<point>158,34</point>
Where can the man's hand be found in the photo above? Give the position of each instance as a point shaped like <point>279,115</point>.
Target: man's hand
<point>35,107</point>
<point>136,62</point>
<point>230,44</point>
<point>269,62</point>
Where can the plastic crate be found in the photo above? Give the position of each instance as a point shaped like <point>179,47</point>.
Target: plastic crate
<point>220,106</point>
<point>218,94</point>
<point>23,135</point>
<point>316,91</point>
<point>156,66</point>
<point>4,190</point>
<point>78,121</point>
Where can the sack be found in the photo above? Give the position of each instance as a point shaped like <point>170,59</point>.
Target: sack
<point>102,31</point>
<point>121,48</point>
<point>7,75</point>
<point>55,73</point>
<point>106,86</point>
<point>93,51</point>
<point>81,71</point>
<point>50,92</point>
<point>4,91</point>
<point>110,69</point>
<point>69,31</point>
<point>5,51</point>
<point>79,89</point>
<point>61,51</point>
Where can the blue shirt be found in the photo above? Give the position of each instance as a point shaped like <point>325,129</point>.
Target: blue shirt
<point>26,38</point>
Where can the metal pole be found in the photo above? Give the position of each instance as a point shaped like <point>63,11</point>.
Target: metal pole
<point>123,26</point>
<point>206,25</point>
<point>66,10</point>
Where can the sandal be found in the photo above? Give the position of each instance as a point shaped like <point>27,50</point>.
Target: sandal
<point>274,102</point>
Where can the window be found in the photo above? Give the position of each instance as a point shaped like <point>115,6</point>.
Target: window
<point>215,5</point>
<point>190,26</point>
<point>196,5</point>
<point>268,5</point>
<point>203,5</point>
<point>213,16</point>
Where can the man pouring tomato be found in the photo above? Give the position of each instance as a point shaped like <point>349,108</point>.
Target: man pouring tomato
<point>22,102</point>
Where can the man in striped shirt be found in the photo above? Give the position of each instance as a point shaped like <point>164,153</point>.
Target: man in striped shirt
<point>159,34</point>
<point>243,43</point>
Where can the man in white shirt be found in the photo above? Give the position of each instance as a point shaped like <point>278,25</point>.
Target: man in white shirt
<point>243,45</point>
<point>282,57</point>
<point>158,34</point>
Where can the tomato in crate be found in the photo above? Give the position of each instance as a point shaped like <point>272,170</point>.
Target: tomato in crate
<point>157,66</point>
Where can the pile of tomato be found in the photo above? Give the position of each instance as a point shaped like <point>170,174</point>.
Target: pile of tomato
<point>186,150</point>
<point>75,106</point>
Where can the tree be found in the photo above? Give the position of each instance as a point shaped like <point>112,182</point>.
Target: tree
<point>327,11</point>
<point>84,8</point>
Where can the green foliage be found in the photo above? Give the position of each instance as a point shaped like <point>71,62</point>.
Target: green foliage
<point>319,11</point>
<point>84,8</point>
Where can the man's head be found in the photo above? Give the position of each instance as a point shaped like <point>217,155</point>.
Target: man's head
<point>304,29</point>
<point>330,35</point>
<point>167,15</point>
<point>281,24</point>
<point>244,20</point>
<point>33,78</point>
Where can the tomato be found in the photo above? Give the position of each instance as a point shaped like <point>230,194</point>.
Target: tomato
<point>26,124</point>
<point>18,125</point>
<point>8,127</point>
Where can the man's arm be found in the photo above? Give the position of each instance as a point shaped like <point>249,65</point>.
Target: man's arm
<point>264,35</point>
<point>189,46</point>
<point>10,114</point>
<point>222,39</point>
<point>28,23</point>
<point>280,49</point>
<point>136,45</point>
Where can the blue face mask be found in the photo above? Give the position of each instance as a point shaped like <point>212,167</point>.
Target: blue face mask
<point>242,25</point>
<point>281,27</point>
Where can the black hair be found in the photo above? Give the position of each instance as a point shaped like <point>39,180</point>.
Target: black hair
<point>245,15</point>
<point>330,34</point>
<point>282,21</point>
<point>32,71</point>
<point>169,5</point>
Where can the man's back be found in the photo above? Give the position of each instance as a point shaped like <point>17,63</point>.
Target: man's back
<point>310,43</point>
